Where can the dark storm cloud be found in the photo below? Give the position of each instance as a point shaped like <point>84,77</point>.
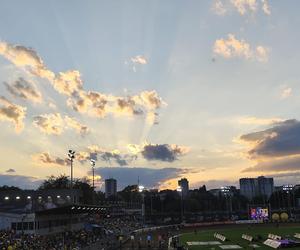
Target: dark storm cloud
<point>11,170</point>
<point>97,153</point>
<point>148,177</point>
<point>26,182</point>
<point>121,160</point>
<point>162,152</point>
<point>281,165</point>
<point>283,139</point>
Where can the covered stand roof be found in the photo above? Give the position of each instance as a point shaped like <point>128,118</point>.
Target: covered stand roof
<point>73,209</point>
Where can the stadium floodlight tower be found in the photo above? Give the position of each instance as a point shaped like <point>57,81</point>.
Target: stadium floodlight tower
<point>179,190</point>
<point>289,188</point>
<point>93,163</point>
<point>141,190</point>
<point>71,155</point>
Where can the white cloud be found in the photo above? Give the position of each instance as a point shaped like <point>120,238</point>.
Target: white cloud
<point>232,47</point>
<point>286,92</point>
<point>139,60</point>
<point>266,7</point>
<point>219,8</point>
<point>243,7</point>
<point>70,84</point>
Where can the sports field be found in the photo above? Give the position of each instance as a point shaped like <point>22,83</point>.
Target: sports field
<point>234,236</point>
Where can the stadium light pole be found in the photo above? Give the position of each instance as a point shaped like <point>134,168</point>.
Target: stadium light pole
<point>93,163</point>
<point>288,189</point>
<point>179,190</point>
<point>141,190</point>
<point>71,155</point>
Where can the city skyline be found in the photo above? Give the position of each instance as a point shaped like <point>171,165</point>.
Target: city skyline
<point>156,90</point>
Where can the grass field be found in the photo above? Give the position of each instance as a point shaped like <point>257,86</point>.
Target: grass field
<point>234,234</point>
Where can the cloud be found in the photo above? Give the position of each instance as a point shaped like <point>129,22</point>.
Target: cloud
<point>266,7</point>
<point>232,47</point>
<point>24,89</point>
<point>73,123</point>
<point>286,92</point>
<point>219,7</point>
<point>10,170</point>
<point>97,153</point>
<point>70,84</point>
<point>283,139</point>
<point>276,165</point>
<point>99,105</point>
<point>135,61</point>
<point>149,177</point>
<point>252,120</point>
<point>243,7</point>
<point>12,112</point>
<point>139,60</point>
<point>55,124</point>
<point>22,181</point>
<point>49,123</point>
<point>46,158</point>
<point>161,152</point>
<point>292,177</point>
<point>120,159</point>
<point>27,58</point>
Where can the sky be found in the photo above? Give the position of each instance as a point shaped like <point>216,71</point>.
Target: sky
<point>152,90</point>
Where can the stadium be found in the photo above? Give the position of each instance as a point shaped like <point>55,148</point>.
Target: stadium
<point>149,124</point>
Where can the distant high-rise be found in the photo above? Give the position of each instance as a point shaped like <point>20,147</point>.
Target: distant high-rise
<point>184,184</point>
<point>260,186</point>
<point>110,187</point>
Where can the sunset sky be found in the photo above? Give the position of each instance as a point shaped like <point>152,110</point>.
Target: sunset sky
<point>151,89</point>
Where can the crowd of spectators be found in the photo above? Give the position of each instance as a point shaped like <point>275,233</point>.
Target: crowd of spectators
<point>106,237</point>
<point>9,240</point>
<point>121,226</point>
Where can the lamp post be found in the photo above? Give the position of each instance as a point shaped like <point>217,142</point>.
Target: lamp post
<point>288,189</point>
<point>227,194</point>
<point>179,190</point>
<point>141,190</point>
<point>71,155</point>
<point>93,163</point>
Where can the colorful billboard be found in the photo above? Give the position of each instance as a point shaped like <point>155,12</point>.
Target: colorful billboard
<point>259,213</point>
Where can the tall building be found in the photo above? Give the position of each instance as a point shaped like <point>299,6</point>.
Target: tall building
<point>110,187</point>
<point>184,184</point>
<point>260,186</point>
